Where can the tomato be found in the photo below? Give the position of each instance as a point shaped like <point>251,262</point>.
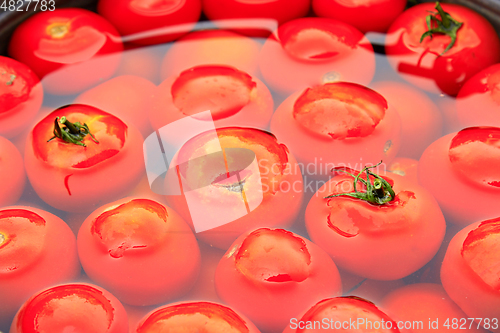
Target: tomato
<point>428,307</point>
<point>470,272</point>
<point>104,162</point>
<point>280,11</point>
<point>273,274</point>
<point>478,102</point>
<point>71,308</point>
<point>140,250</point>
<point>12,174</point>
<point>461,172</point>
<point>208,47</point>
<point>142,61</point>
<point>427,62</point>
<point>406,167</point>
<point>338,123</point>
<point>346,314</point>
<point>234,181</point>
<point>21,96</point>
<point>421,120</point>
<point>150,20</point>
<point>364,15</point>
<point>234,98</point>
<point>37,250</point>
<point>384,229</point>
<point>311,51</point>
<point>126,97</point>
<point>67,43</point>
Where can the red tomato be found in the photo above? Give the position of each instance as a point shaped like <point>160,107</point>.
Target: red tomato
<point>140,250</point>
<point>21,96</point>
<point>280,11</point>
<point>470,272</point>
<point>427,63</point>
<point>223,197</point>
<point>384,229</point>
<point>364,15</point>
<point>127,97</point>
<point>461,172</point>
<point>310,51</point>
<point>204,317</point>
<point>343,314</point>
<point>233,97</point>
<point>71,308</point>
<point>37,250</point>
<point>142,61</point>
<point>210,47</point>
<point>80,176</point>
<point>428,308</point>
<point>405,167</point>
<point>338,124</point>
<point>478,102</point>
<point>12,175</point>
<point>141,17</point>
<point>72,40</point>
<point>421,120</point>
<point>273,274</point>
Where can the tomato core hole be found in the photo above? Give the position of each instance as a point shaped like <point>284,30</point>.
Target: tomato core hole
<point>222,90</point>
<point>58,30</point>
<point>2,239</point>
<point>274,255</point>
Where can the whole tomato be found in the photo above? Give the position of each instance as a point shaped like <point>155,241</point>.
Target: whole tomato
<point>441,56</point>
<point>71,308</point>
<point>461,170</point>
<point>310,51</point>
<point>37,250</point>
<point>469,272</point>
<point>382,228</point>
<point>234,181</point>
<point>79,157</point>
<point>207,317</point>
<point>142,17</point>
<point>286,270</point>
<point>140,250</point>
<point>78,47</point>
<point>345,314</point>
<point>336,124</point>
<point>478,102</point>
<point>364,15</point>
<point>12,174</point>
<point>21,96</point>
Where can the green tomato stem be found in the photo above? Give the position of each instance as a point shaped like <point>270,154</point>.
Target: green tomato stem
<point>447,25</point>
<point>71,132</point>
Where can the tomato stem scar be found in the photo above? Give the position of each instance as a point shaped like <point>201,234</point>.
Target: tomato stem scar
<point>2,239</point>
<point>378,193</point>
<point>72,132</point>
<point>447,25</point>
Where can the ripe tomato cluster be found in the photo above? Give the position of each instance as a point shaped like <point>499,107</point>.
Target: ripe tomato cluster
<point>249,166</point>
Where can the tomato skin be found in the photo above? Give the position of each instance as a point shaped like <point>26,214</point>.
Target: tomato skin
<point>140,250</point>
<point>149,15</point>
<point>478,101</point>
<point>206,317</point>
<point>368,240</point>
<point>342,309</point>
<point>12,174</point>
<point>406,167</point>
<point>381,144</point>
<point>304,276</point>
<point>21,96</point>
<point>367,15</point>
<point>425,302</point>
<point>70,39</point>
<point>421,120</point>
<point>311,51</point>
<point>80,307</point>
<point>461,200</point>
<point>424,65</point>
<point>466,288</point>
<point>41,247</point>
<point>126,97</point>
<point>77,179</point>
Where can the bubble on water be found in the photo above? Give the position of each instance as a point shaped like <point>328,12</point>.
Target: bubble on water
<point>387,146</point>
<point>331,77</point>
